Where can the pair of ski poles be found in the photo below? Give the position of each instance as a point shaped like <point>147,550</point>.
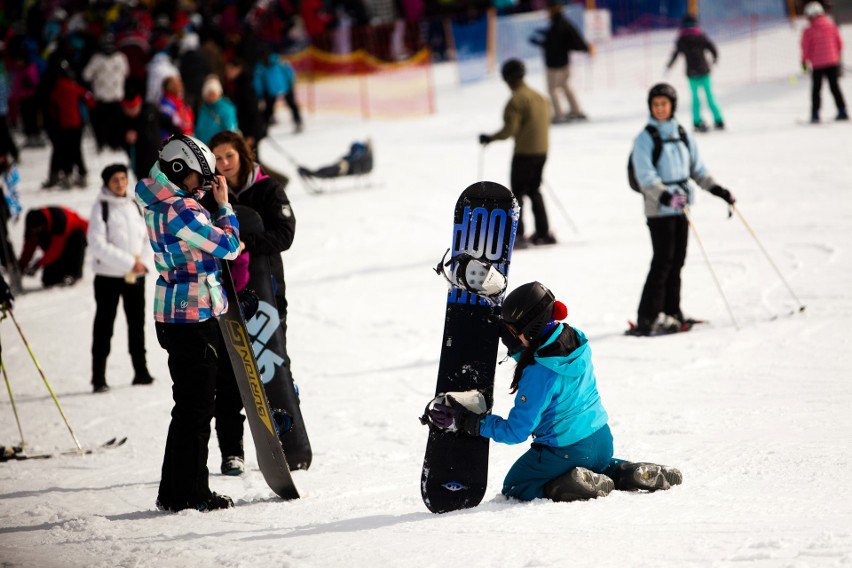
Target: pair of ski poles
<point>10,313</point>
<point>713,272</point>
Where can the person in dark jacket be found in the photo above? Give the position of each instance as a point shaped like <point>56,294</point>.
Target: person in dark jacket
<point>141,134</point>
<point>558,403</point>
<point>558,41</point>
<point>242,94</point>
<point>526,118</point>
<point>61,234</point>
<point>248,185</point>
<point>693,43</point>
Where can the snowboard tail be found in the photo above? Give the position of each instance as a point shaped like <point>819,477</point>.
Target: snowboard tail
<point>455,467</point>
<point>270,455</point>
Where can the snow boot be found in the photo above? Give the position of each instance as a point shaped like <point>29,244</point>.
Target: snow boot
<point>579,484</point>
<point>212,503</point>
<point>842,115</point>
<point>646,476</point>
<point>99,383</point>
<point>719,125</point>
<point>233,465</point>
<point>700,127</point>
<point>547,239</point>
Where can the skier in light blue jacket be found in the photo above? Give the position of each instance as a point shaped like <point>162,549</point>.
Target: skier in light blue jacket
<point>664,158</point>
<point>557,402</point>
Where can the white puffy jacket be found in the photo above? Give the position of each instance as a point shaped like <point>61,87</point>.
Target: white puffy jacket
<point>115,244</point>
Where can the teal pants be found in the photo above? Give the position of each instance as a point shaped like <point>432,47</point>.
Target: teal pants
<point>527,477</point>
<point>703,82</point>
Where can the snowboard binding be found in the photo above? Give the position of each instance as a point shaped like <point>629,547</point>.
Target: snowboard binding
<point>468,273</point>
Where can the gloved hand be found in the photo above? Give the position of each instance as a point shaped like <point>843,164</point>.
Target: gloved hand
<point>804,67</point>
<point>485,139</point>
<point>510,340</point>
<point>31,269</point>
<point>723,193</point>
<point>7,300</point>
<point>674,200</point>
<point>455,417</point>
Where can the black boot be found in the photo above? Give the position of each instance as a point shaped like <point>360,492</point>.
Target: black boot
<point>140,368</point>
<point>99,383</point>
<point>645,476</point>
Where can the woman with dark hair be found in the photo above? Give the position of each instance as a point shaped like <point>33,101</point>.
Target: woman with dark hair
<point>248,185</point>
<point>557,402</point>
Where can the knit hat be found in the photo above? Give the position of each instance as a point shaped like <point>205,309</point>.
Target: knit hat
<point>111,170</point>
<point>130,102</point>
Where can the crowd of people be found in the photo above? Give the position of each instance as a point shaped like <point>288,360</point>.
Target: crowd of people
<point>189,108</point>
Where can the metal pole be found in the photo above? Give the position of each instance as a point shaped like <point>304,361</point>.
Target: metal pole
<point>766,254</point>
<point>561,208</point>
<point>12,399</point>
<point>710,266</point>
<point>47,384</point>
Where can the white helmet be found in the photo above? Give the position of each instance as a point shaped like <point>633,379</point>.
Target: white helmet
<point>814,9</point>
<point>183,154</point>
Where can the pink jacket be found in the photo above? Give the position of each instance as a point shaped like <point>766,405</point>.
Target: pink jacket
<point>821,43</point>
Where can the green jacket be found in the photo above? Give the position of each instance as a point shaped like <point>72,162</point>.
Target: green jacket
<point>526,118</point>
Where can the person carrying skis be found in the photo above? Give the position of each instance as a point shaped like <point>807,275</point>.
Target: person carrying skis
<point>557,402</point>
<point>118,238</point>
<point>189,245</point>
<point>526,118</point>
<point>821,48</point>
<point>692,42</point>
<point>663,176</point>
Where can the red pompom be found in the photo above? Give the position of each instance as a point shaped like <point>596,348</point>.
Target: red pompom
<point>560,312</point>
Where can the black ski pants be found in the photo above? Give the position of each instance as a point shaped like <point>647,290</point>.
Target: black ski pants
<point>106,123</point>
<point>526,181</point>
<point>669,236</point>
<point>831,73</point>
<point>70,262</point>
<point>108,290</point>
<point>67,148</point>
<point>201,373</point>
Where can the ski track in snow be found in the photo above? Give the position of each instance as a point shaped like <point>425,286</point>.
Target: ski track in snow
<point>757,419</point>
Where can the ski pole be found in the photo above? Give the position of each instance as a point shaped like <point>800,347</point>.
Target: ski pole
<point>766,254</point>
<point>44,378</point>
<point>561,208</point>
<point>710,266</point>
<point>481,171</point>
<point>12,399</point>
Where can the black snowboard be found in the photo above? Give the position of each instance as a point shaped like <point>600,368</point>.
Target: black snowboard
<point>270,455</point>
<point>269,344</point>
<point>455,468</point>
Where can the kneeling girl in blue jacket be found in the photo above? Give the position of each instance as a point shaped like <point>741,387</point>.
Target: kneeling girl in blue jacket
<point>557,402</point>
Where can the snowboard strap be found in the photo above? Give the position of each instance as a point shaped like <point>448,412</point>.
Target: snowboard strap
<point>473,275</point>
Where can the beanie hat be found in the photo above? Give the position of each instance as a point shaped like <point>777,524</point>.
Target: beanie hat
<point>111,170</point>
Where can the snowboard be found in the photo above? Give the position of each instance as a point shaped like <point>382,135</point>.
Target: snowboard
<point>455,466</point>
<point>269,345</point>
<point>264,430</point>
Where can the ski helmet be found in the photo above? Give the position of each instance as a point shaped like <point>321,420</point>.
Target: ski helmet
<point>813,9</point>
<point>528,308</point>
<point>663,90</point>
<point>513,71</point>
<point>183,154</point>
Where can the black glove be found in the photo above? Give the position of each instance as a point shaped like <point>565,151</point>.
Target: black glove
<point>31,269</point>
<point>676,200</point>
<point>723,193</point>
<point>485,139</point>
<point>7,300</point>
<point>455,417</point>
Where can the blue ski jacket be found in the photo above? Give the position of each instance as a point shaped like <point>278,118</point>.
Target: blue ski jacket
<point>676,166</point>
<point>557,399</point>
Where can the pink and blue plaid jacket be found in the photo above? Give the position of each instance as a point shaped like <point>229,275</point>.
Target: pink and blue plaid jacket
<point>188,249</point>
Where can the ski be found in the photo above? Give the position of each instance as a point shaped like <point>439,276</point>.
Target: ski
<point>262,424</point>
<point>20,453</point>
<point>455,466</point>
<point>633,329</point>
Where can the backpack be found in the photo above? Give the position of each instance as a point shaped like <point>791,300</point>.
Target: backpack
<point>655,154</point>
